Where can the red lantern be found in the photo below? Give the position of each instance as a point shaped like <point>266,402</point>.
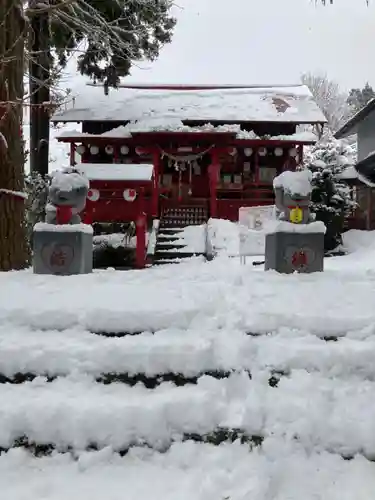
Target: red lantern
<point>130,194</point>
<point>93,195</point>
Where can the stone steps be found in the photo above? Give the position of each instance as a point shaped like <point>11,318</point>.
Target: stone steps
<point>172,223</point>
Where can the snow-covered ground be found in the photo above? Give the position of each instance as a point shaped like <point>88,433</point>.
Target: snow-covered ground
<point>278,471</point>
<point>195,319</point>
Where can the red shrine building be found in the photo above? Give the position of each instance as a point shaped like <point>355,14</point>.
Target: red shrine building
<point>153,148</point>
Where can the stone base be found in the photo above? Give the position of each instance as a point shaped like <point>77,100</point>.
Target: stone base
<point>62,250</point>
<point>288,252</point>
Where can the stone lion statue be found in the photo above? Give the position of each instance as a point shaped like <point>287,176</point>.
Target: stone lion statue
<point>66,196</point>
<point>293,196</point>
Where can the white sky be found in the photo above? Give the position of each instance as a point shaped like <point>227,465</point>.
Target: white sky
<point>266,41</point>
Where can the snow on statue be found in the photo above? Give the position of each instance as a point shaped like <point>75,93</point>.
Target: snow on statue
<point>66,196</point>
<point>295,242</point>
<point>62,245</point>
<point>292,196</point>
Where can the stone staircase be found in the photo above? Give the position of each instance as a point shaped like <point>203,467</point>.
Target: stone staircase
<point>169,247</point>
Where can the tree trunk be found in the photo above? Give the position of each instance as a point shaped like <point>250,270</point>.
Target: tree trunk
<point>14,249</point>
<point>39,89</point>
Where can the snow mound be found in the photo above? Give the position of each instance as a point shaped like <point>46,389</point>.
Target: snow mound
<point>362,241</point>
<point>225,238</point>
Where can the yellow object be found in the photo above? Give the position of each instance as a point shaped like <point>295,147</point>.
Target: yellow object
<point>296,215</point>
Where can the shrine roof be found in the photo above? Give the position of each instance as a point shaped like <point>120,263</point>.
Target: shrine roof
<point>161,108</point>
<point>228,132</point>
<point>116,171</point>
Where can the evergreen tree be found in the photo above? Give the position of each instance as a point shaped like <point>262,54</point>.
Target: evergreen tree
<point>13,242</point>
<point>36,188</point>
<point>358,98</point>
<point>113,33</point>
<point>331,198</point>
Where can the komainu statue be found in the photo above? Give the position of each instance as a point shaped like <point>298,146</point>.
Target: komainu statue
<point>295,241</point>
<point>63,245</point>
<point>66,197</point>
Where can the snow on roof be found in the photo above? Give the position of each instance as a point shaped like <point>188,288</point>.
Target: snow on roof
<point>348,173</point>
<point>116,171</point>
<point>124,131</point>
<point>197,86</point>
<point>294,182</point>
<point>267,104</point>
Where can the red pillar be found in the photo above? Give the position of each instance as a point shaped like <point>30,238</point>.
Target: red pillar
<point>72,154</point>
<point>115,153</point>
<point>213,172</point>
<point>256,164</point>
<point>88,217</point>
<point>140,232</point>
<point>300,154</point>
<point>155,186</point>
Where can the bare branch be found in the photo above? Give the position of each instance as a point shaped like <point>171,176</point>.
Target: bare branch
<point>329,97</point>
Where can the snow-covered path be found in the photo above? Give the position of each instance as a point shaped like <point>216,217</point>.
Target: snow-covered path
<point>188,352</point>
<point>217,332</point>
<point>188,471</point>
<point>219,294</point>
<point>337,416</point>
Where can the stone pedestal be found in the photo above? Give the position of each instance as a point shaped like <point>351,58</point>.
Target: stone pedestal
<point>298,248</point>
<point>62,249</point>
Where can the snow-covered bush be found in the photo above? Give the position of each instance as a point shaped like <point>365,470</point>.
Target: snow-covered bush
<point>114,245</point>
<point>37,190</point>
<point>331,199</point>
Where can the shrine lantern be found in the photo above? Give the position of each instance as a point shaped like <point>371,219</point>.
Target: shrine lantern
<point>262,151</point>
<point>130,195</point>
<point>93,195</point>
<point>279,152</point>
<point>140,151</point>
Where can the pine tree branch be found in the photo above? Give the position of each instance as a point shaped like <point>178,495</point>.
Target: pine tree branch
<point>47,8</point>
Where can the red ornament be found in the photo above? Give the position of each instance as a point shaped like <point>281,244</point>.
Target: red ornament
<point>130,194</point>
<point>299,259</point>
<point>63,214</point>
<point>93,195</point>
